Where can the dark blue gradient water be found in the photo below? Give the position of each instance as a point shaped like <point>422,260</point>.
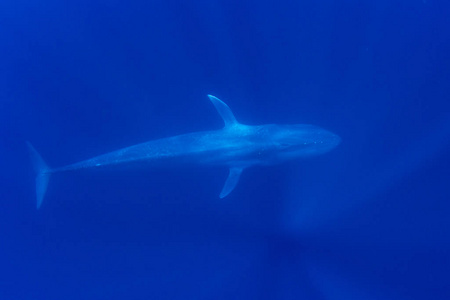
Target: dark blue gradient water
<point>368,220</point>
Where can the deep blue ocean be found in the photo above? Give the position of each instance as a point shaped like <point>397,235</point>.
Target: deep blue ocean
<point>367,220</point>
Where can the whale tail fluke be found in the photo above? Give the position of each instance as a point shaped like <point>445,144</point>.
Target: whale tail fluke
<point>42,174</point>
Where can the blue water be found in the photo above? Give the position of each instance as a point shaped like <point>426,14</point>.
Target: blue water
<point>369,220</point>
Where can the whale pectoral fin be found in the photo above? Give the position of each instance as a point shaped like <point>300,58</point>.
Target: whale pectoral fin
<point>231,182</point>
<point>224,111</point>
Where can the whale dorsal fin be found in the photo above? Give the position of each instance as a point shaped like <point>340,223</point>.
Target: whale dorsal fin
<point>232,180</point>
<point>224,111</point>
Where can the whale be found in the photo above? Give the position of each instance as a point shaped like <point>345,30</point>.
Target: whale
<point>236,146</point>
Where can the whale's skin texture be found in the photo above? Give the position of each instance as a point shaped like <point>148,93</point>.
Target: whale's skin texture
<point>241,145</point>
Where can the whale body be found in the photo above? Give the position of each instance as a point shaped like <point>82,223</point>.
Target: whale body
<point>235,146</point>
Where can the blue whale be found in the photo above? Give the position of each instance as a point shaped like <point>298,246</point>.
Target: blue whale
<point>235,146</point>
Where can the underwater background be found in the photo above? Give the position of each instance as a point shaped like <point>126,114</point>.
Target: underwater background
<point>368,220</point>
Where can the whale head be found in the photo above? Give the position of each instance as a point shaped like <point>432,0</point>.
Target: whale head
<point>297,141</point>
